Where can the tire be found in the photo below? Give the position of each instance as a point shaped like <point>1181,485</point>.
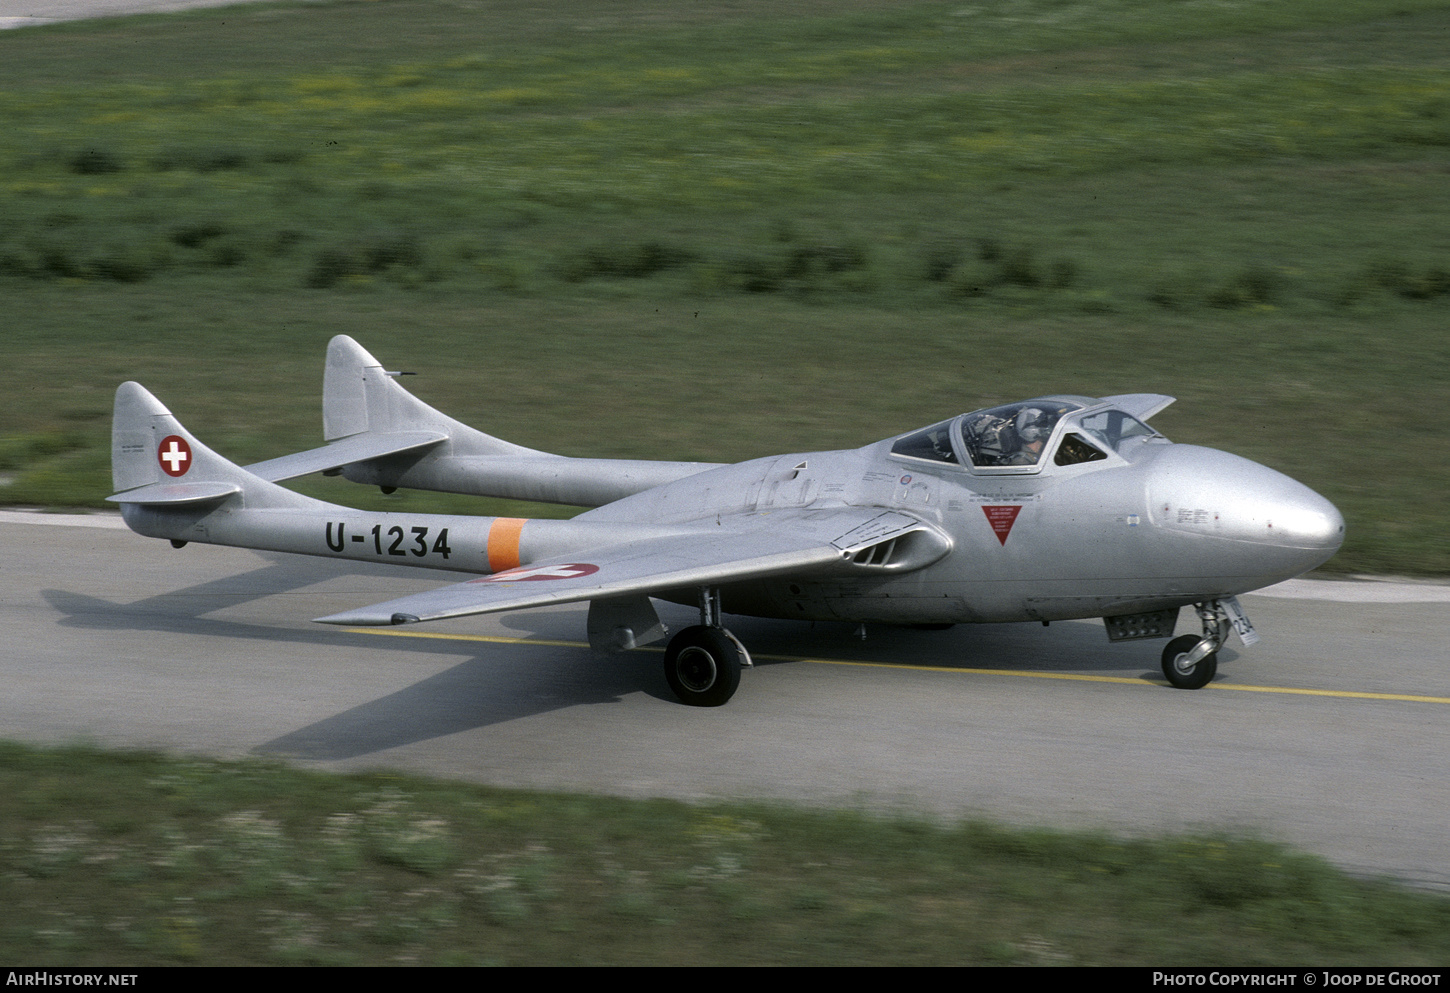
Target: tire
<point>702,666</point>
<point>1191,677</point>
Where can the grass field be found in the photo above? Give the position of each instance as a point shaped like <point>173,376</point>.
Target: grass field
<point>135,859</point>
<point>731,230</point>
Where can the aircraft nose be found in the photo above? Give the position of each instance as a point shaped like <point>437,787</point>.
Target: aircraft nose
<point>1215,494</point>
<point>1306,520</point>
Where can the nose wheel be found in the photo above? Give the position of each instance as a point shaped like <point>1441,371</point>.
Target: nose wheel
<point>1190,662</point>
<point>1183,669</point>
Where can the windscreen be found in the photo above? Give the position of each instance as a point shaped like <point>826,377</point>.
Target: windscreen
<point>1119,431</point>
<point>933,443</point>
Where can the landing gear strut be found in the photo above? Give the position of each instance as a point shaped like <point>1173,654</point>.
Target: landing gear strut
<point>703,662</point>
<point>1191,661</point>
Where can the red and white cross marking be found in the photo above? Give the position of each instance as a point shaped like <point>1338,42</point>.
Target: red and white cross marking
<point>566,570</point>
<point>174,454</point>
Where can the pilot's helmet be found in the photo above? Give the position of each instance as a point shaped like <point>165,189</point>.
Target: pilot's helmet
<point>1033,424</point>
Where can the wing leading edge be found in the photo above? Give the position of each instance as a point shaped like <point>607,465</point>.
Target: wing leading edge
<point>757,546</point>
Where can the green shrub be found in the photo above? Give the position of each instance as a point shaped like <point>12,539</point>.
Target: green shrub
<point>196,234</point>
<point>1254,285</point>
<point>203,160</point>
<point>328,266</point>
<point>939,258</point>
<point>608,260</point>
<point>94,162</point>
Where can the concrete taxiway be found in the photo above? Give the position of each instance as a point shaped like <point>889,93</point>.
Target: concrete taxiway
<point>27,13</point>
<point>1333,733</point>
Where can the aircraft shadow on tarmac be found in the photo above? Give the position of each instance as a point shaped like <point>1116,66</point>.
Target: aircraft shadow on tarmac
<point>495,683</point>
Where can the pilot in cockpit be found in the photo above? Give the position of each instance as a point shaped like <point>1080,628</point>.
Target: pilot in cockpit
<point>1031,428</point>
<point>1010,435</point>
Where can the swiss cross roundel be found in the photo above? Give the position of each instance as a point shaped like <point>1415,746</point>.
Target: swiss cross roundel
<point>567,570</point>
<point>174,454</point>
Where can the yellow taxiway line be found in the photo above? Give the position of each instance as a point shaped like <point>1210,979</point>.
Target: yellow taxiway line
<point>1125,680</point>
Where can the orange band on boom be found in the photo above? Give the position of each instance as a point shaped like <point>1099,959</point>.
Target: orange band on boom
<point>503,542</point>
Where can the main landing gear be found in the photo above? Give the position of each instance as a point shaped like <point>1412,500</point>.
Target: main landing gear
<point>1191,661</point>
<point>703,662</point>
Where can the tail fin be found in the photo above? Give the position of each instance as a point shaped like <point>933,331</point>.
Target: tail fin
<point>352,382</point>
<point>156,461</point>
<point>381,435</point>
<point>359,396</point>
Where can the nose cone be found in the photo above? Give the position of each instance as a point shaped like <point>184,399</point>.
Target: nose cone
<point>1282,526</point>
<point>1305,520</point>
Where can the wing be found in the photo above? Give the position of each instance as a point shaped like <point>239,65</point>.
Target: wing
<point>755,546</point>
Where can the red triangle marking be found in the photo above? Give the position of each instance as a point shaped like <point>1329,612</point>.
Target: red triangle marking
<point>1001,519</point>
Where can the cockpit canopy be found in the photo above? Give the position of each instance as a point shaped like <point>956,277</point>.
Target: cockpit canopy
<point>1013,434</point>
<point>1024,436</point>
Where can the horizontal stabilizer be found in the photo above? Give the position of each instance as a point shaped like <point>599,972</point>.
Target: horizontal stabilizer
<point>358,448</point>
<point>177,493</point>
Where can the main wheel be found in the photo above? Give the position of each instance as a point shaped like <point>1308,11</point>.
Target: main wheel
<point>1184,674</point>
<point>702,666</point>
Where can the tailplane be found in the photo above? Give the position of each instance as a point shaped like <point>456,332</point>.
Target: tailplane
<point>155,461</point>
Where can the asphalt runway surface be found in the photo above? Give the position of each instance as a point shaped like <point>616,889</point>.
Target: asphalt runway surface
<point>25,13</point>
<point>1330,734</point>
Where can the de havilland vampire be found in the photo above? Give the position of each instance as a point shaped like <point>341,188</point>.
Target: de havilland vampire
<point>1047,509</point>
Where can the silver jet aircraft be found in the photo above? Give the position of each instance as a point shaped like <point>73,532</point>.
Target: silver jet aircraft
<point>1047,509</point>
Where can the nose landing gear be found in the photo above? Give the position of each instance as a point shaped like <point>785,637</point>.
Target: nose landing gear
<point>1191,661</point>
<point>1187,664</point>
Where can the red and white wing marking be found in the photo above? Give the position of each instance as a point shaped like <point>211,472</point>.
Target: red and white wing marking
<point>535,573</point>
